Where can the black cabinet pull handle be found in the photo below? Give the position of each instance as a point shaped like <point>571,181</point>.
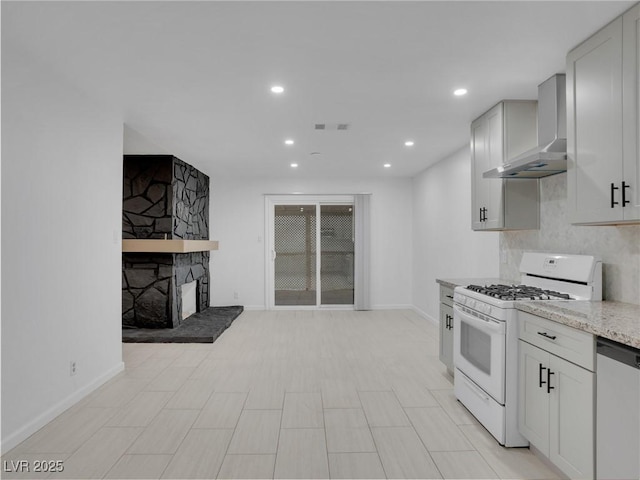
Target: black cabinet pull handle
<point>546,335</point>
<point>450,296</point>
<point>624,194</point>
<point>449,322</point>
<point>540,381</point>
<point>613,189</point>
<point>549,387</point>
<point>483,214</point>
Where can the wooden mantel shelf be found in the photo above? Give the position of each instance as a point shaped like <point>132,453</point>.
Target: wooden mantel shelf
<point>167,246</point>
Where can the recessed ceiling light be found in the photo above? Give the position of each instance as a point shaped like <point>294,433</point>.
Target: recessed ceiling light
<point>294,165</point>
<point>289,142</point>
<point>277,89</point>
<point>387,165</point>
<point>409,143</point>
<point>459,92</point>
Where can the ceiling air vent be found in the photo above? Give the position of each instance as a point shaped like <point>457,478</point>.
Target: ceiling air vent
<point>332,126</point>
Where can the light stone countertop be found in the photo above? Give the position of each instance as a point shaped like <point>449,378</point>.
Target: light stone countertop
<point>455,282</point>
<point>616,321</point>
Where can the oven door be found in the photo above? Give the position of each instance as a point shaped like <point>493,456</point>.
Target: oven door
<point>479,350</point>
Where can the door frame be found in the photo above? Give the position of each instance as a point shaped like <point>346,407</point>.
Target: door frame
<point>270,201</point>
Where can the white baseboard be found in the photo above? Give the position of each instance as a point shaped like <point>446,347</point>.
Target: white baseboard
<point>425,315</point>
<point>24,432</point>
<point>392,307</point>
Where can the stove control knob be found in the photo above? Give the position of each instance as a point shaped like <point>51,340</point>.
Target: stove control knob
<point>471,303</point>
<point>488,310</point>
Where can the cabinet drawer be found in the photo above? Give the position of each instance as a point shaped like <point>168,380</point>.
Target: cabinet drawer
<point>573,345</point>
<point>446,295</point>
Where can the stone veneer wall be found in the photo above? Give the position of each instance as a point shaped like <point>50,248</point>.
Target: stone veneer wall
<point>190,189</point>
<point>148,192</point>
<point>162,195</point>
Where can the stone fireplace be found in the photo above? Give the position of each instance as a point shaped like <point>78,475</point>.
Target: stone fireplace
<point>163,199</point>
<point>189,299</point>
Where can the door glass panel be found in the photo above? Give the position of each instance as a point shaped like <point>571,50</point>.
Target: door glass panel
<point>295,247</point>
<point>336,259</point>
<point>475,347</point>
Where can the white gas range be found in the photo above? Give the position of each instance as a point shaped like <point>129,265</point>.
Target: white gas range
<point>486,334</point>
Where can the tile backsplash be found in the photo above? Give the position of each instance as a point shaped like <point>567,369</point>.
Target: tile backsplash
<point>618,246</point>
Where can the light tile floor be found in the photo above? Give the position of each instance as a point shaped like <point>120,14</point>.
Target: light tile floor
<point>286,394</point>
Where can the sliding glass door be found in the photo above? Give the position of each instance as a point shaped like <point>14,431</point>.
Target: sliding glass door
<point>336,254</point>
<point>295,235</point>
<point>303,274</point>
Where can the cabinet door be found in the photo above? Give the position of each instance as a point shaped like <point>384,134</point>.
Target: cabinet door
<point>446,335</point>
<point>594,126</point>
<point>533,399</point>
<point>571,421</point>
<point>479,161</point>
<point>631,111</point>
<point>494,214</point>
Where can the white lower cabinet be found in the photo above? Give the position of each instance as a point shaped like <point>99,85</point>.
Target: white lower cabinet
<point>446,327</point>
<point>533,420</point>
<point>556,401</point>
<point>572,419</point>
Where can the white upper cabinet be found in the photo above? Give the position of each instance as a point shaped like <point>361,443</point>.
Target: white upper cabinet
<point>603,177</point>
<point>506,130</point>
<point>631,111</point>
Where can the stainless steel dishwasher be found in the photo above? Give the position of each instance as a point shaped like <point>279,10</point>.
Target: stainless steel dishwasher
<point>617,410</point>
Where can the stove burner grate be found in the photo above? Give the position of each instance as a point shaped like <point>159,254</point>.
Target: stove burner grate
<point>518,292</point>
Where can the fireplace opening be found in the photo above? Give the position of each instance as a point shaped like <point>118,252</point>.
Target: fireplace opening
<point>189,299</point>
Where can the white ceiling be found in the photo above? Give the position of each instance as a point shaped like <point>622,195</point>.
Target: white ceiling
<point>193,78</point>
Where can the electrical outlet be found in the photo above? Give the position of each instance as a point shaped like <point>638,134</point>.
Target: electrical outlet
<point>73,368</point>
<point>235,295</point>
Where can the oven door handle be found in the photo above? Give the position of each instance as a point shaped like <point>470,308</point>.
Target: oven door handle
<point>483,325</point>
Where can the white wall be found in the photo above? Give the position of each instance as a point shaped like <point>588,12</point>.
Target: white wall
<point>444,246</point>
<point>61,259</point>
<point>237,221</point>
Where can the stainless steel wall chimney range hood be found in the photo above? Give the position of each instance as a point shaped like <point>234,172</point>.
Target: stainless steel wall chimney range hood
<point>550,156</point>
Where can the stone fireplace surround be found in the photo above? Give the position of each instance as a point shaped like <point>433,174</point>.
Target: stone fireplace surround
<point>163,198</point>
